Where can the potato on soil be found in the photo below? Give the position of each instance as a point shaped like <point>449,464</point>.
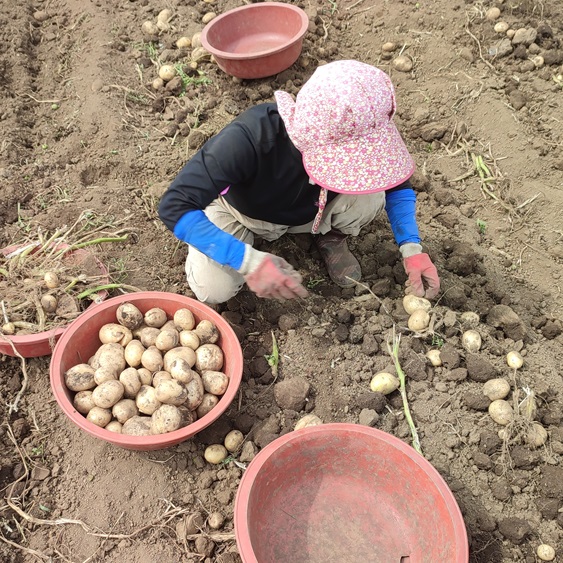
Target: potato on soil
<point>497,388</point>
<point>51,280</point>
<point>137,426</point>
<point>190,339</point>
<point>180,352</point>
<point>308,420</point>
<point>104,374</point>
<point>207,332</point>
<point>171,392</point>
<point>167,339</point>
<point>434,357</point>
<point>208,401</point>
<point>99,416</point>
<point>152,359</point>
<point>155,317</point>
<point>80,378</point>
<point>233,440</point>
<point>215,382</point>
<point>216,453</point>
<point>129,316</point>
<point>412,303</point>
<point>114,332</point>
<point>114,426</point>
<point>124,410</point>
<point>166,418</point>
<point>160,376</point>
<point>384,382</point>
<point>108,393</point>
<point>131,381</point>
<point>146,400</point>
<point>195,392</point>
<point>83,402</point>
<point>471,341</point>
<point>181,370</point>
<point>419,320</point>
<point>536,435</point>
<point>209,357</point>
<point>133,353</point>
<point>501,412</point>
<point>148,336</point>
<point>184,319</point>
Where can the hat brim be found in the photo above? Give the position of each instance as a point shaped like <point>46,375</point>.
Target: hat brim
<point>366,164</point>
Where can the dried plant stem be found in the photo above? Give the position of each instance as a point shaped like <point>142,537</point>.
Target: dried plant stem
<point>394,352</point>
<point>13,407</point>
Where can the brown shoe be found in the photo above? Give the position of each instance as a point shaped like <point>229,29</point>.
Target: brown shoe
<point>343,268</point>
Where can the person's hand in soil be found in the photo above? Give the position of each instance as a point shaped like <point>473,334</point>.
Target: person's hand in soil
<point>268,275</point>
<point>423,276</point>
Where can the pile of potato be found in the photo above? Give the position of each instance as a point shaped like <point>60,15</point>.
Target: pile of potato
<point>151,374</point>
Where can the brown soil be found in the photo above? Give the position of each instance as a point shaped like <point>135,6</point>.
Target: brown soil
<point>84,130</point>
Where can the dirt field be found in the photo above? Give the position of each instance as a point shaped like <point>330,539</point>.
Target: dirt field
<point>83,130</point>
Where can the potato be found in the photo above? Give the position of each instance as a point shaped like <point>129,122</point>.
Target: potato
<point>148,336</point>
<point>180,352</point>
<point>49,303</point>
<point>160,376</point>
<point>51,280</point>
<point>215,382</point>
<point>216,453</point>
<point>137,426</point>
<point>501,412</point>
<point>471,341</point>
<point>434,357</point>
<point>152,359</point>
<point>155,317</point>
<point>536,435</point>
<point>146,400</point>
<point>99,416</point>
<point>80,378</point>
<point>181,371</point>
<point>104,374</point>
<point>171,392</point>
<point>190,339</point>
<point>419,320</point>
<point>412,303</point>
<point>308,420</point>
<point>108,393</point>
<point>184,319</point>
<point>149,28</point>
<point>145,376</point>
<point>215,520</point>
<point>545,552</point>
<point>169,325</point>
<point>166,418</point>
<point>128,315</point>
<point>234,440</point>
<point>209,357</point>
<point>208,401</point>
<point>514,360</point>
<point>497,388</point>
<point>133,352</point>
<point>114,332</point>
<point>195,392</point>
<point>196,39</point>
<point>114,426</point>
<point>384,382</point>
<point>403,63</point>
<point>207,332</point>
<point>111,356</point>
<point>183,42</point>
<point>131,381</point>
<point>469,319</point>
<point>83,402</point>
<point>188,416</point>
<point>124,410</point>
<point>166,340</point>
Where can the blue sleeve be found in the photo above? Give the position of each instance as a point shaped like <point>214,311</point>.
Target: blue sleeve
<point>401,210</point>
<point>198,231</point>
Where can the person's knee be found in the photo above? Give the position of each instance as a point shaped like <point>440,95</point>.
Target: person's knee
<point>212,284</point>
<point>214,295</point>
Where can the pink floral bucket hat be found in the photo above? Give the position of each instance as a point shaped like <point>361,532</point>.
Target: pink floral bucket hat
<point>342,123</point>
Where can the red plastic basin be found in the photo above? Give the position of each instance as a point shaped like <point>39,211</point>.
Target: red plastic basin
<point>256,40</point>
<point>42,343</point>
<point>80,341</point>
<point>346,493</point>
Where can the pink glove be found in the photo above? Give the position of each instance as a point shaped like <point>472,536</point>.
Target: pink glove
<point>271,276</point>
<point>423,277</point>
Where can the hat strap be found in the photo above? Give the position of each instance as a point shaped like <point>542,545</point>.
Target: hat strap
<point>323,195</point>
